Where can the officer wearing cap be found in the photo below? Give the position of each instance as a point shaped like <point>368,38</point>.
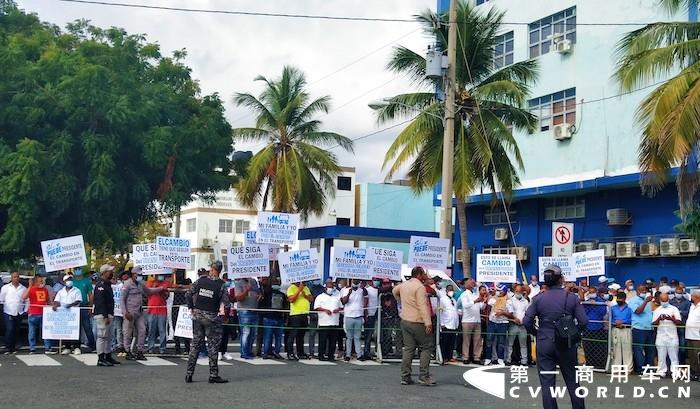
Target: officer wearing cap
<point>548,307</point>
<point>207,295</point>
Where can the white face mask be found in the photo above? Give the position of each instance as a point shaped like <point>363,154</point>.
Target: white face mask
<point>450,294</point>
<point>69,284</point>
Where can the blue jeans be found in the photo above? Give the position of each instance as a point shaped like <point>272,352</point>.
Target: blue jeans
<point>34,322</point>
<point>86,327</point>
<point>159,323</point>
<point>353,332</point>
<point>248,321</point>
<point>268,332</point>
<point>497,333</point>
<point>643,348</point>
<point>117,333</point>
<point>11,325</point>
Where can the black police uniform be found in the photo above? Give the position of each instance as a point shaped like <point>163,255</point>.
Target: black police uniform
<point>548,307</point>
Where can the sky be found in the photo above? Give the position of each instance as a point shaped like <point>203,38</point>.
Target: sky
<point>343,59</point>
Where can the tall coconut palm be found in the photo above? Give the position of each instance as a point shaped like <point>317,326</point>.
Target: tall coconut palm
<point>490,104</point>
<point>293,171</point>
<point>669,116</point>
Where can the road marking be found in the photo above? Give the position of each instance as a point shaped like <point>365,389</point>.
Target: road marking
<point>38,360</point>
<point>315,362</point>
<point>363,363</point>
<point>155,361</point>
<point>205,362</point>
<point>87,359</point>
<point>259,361</point>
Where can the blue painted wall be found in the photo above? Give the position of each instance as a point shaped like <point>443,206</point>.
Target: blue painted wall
<point>651,216</point>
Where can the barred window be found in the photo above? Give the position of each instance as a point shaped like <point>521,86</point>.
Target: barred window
<point>565,208</point>
<point>542,32</point>
<point>554,109</point>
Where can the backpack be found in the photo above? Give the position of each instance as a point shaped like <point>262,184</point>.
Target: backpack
<point>566,331</point>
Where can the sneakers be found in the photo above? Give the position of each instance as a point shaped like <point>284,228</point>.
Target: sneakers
<point>130,356</point>
<point>140,357</point>
<point>111,360</point>
<point>220,356</point>
<point>77,351</point>
<point>407,381</point>
<point>50,352</point>
<point>188,378</point>
<point>501,362</point>
<point>487,362</point>
<point>427,381</point>
<point>228,356</point>
<point>101,361</point>
<point>346,359</point>
<point>32,352</point>
<point>217,379</point>
<point>65,351</point>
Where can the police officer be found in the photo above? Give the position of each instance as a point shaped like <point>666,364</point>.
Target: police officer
<point>548,307</point>
<point>206,296</point>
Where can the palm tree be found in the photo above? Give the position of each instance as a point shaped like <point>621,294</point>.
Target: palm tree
<point>669,115</point>
<point>490,104</point>
<point>293,170</point>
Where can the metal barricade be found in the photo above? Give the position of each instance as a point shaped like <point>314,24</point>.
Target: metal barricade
<point>596,337</point>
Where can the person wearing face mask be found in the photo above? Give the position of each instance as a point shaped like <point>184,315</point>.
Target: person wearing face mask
<point>157,292</point>
<point>104,315</point>
<point>630,289</point>
<point>117,332</point>
<point>515,311</point>
<point>355,301</point>
<point>272,321</point>
<point>68,297</point>
<point>621,318</point>
<point>534,286</point>
<point>692,335</point>
<point>449,321</point>
<point>371,320</point>
<point>84,284</point>
<point>38,296</point>
<point>596,331</point>
<point>643,350</point>
<point>678,300</point>
<point>497,329</point>
<point>667,318</point>
<point>134,320</point>
<point>328,306</point>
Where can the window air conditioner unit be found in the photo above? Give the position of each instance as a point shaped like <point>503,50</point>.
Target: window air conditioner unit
<point>648,249</point>
<point>625,249</point>
<point>669,247</point>
<point>584,246</point>
<point>459,256</point>
<point>608,248</point>
<point>521,253</point>
<point>688,246</point>
<point>501,233</point>
<point>562,131</point>
<point>618,217</point>
<point>206,243</point>
<point>547,250</point>
<point>563,46</point>
<point>235,243</point>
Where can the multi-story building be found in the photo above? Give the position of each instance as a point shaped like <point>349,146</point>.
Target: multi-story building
<point>581,163</point>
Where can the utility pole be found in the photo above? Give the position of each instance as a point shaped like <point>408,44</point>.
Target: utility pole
<point>448,138</point>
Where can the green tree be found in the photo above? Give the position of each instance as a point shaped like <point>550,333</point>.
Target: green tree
<point>293,171</point>
<point>99,132</point>
<point>490,103</point>
<point>668,116</point>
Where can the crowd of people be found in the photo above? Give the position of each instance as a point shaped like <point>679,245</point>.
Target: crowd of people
<point>656,322</point>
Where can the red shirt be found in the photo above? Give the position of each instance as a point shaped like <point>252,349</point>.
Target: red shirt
<point>38,297</point>
<point>157,303</point>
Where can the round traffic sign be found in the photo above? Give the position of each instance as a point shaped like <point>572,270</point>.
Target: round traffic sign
<point>562,235</point>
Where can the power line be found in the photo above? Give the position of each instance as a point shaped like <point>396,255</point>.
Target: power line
<point>375,132</point>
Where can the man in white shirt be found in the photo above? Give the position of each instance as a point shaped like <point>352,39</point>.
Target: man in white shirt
<point>471,306</point>
<point>515,311</point>
<point>534,286</point>
<point>692,334</point>
<point>355,301</point>
<point>372,288</point>
<point>117,328</point>
<point>449,322</point>
<point>328,306</point>
<point>666,317</point>
<point>11,295</point>
<point>68,297</point>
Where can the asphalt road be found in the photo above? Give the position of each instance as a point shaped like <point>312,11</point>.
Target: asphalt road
<point>71,383</point>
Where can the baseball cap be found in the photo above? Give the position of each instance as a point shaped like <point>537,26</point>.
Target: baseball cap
<point>553,268</point>
<point>136,270</point>
<point>106,267</point>
<point>614,286</point>
<point>502,288</point>
<point>604,279</point>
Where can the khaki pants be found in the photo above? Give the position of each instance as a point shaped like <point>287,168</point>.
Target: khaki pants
<point>104,334</point>
<point>471,337</point>
<point>414,336</point>
<point>694,356</point>
<point>137,324</point>
<point>622,347</point>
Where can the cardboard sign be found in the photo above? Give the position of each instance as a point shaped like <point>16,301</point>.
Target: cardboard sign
<point>589,263</point>
<point>183,325</point>
<point>496,268</point>
<point>350,262</point>
<point>145,255</point>
<point>249,261</point>
<point>63,253</point>
<point>385,263</point>
<point>173,252</point>
<point>64,323</point>
<point>301,265</point>
<point>429,253</point>
<point>562,239</point>
<point>250,238</point>
<point>277,228</point>
<point>565,263</point>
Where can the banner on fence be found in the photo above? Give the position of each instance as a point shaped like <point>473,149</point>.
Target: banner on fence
<point>250,238</point>
<point>429,253</point>
<point>589,263</point>
<point>277,228</point>
<point>183,325</point>
<point>350,262</point>
<point>145,255</point>
<point>565,263</point>
<point>386,263</point>
<point>249,261</point>
<point>66,252</point>
<point>64,323</point>
<point>301,265</point>
<point>173,252</point>
<point>496,268</point>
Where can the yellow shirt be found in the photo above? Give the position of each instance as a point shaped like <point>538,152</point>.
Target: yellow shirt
<point>301,305</point>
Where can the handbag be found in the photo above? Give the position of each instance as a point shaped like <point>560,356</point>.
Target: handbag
<point>566,331</point>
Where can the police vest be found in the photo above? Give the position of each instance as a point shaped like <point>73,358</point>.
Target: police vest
<point>208,295</point>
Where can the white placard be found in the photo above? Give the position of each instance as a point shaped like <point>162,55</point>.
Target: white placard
<point>145,255</point>
<point>183,325</point>
<point>66,252</point>
<point>249,261</point>
<point>429,253</point>
<point>562,239</point>
<point>64,323</point>
<point>386,263</point>
<point>301,265</point>
<point>250,238</point>
<point>350,262</point>
<point>277,228</point>
<point>589,263</point>
<point>565,263</point>
<point>173,252</point>
<point>496,268</point>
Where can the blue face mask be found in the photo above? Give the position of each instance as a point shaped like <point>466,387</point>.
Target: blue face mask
<point>275,287</point>
<point>664,304</point>
<point>139,279</point>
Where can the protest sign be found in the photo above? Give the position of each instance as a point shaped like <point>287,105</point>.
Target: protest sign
<point>350,262</point>
<point>63,253</point>
<point>183,325</point>
<point>250,238</point>
<point>385,263</point>
<point>589,263</point>
<point>496,268</point>
<point>64,323</point>
<point>565,263</point>
<point>173,252</point>
<point>248,261</point>
<point>145,255</point>
<point>429,253</point>
<point>277,228</point>
<point>301,265</point>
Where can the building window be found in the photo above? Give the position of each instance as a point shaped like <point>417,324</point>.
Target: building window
<point>193,261</point>
<point>224,261</point>
<point>342,221</point>
<point>316,244</point>
<point>565,208</point>
<point>555,109</point>
<point>344,183</point>
<point>503,51</point>
<point>497,250</point>
<point>495,216</point>
<point>542,32</point>
<point>547,251</point>
<point>480,2</point>
<point>191,225</point>
<point>242,226</point>
<point>225,226</point>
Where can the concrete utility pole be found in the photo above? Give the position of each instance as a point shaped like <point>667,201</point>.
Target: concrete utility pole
<point>448,139</point>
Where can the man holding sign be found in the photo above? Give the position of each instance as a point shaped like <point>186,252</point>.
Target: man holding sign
<point>68,297</point>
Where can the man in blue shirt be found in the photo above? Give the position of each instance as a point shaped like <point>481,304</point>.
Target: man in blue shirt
<point>621,318</point>
<point>596,334</point>
<point>679,301</point>
<point>643,342</point>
